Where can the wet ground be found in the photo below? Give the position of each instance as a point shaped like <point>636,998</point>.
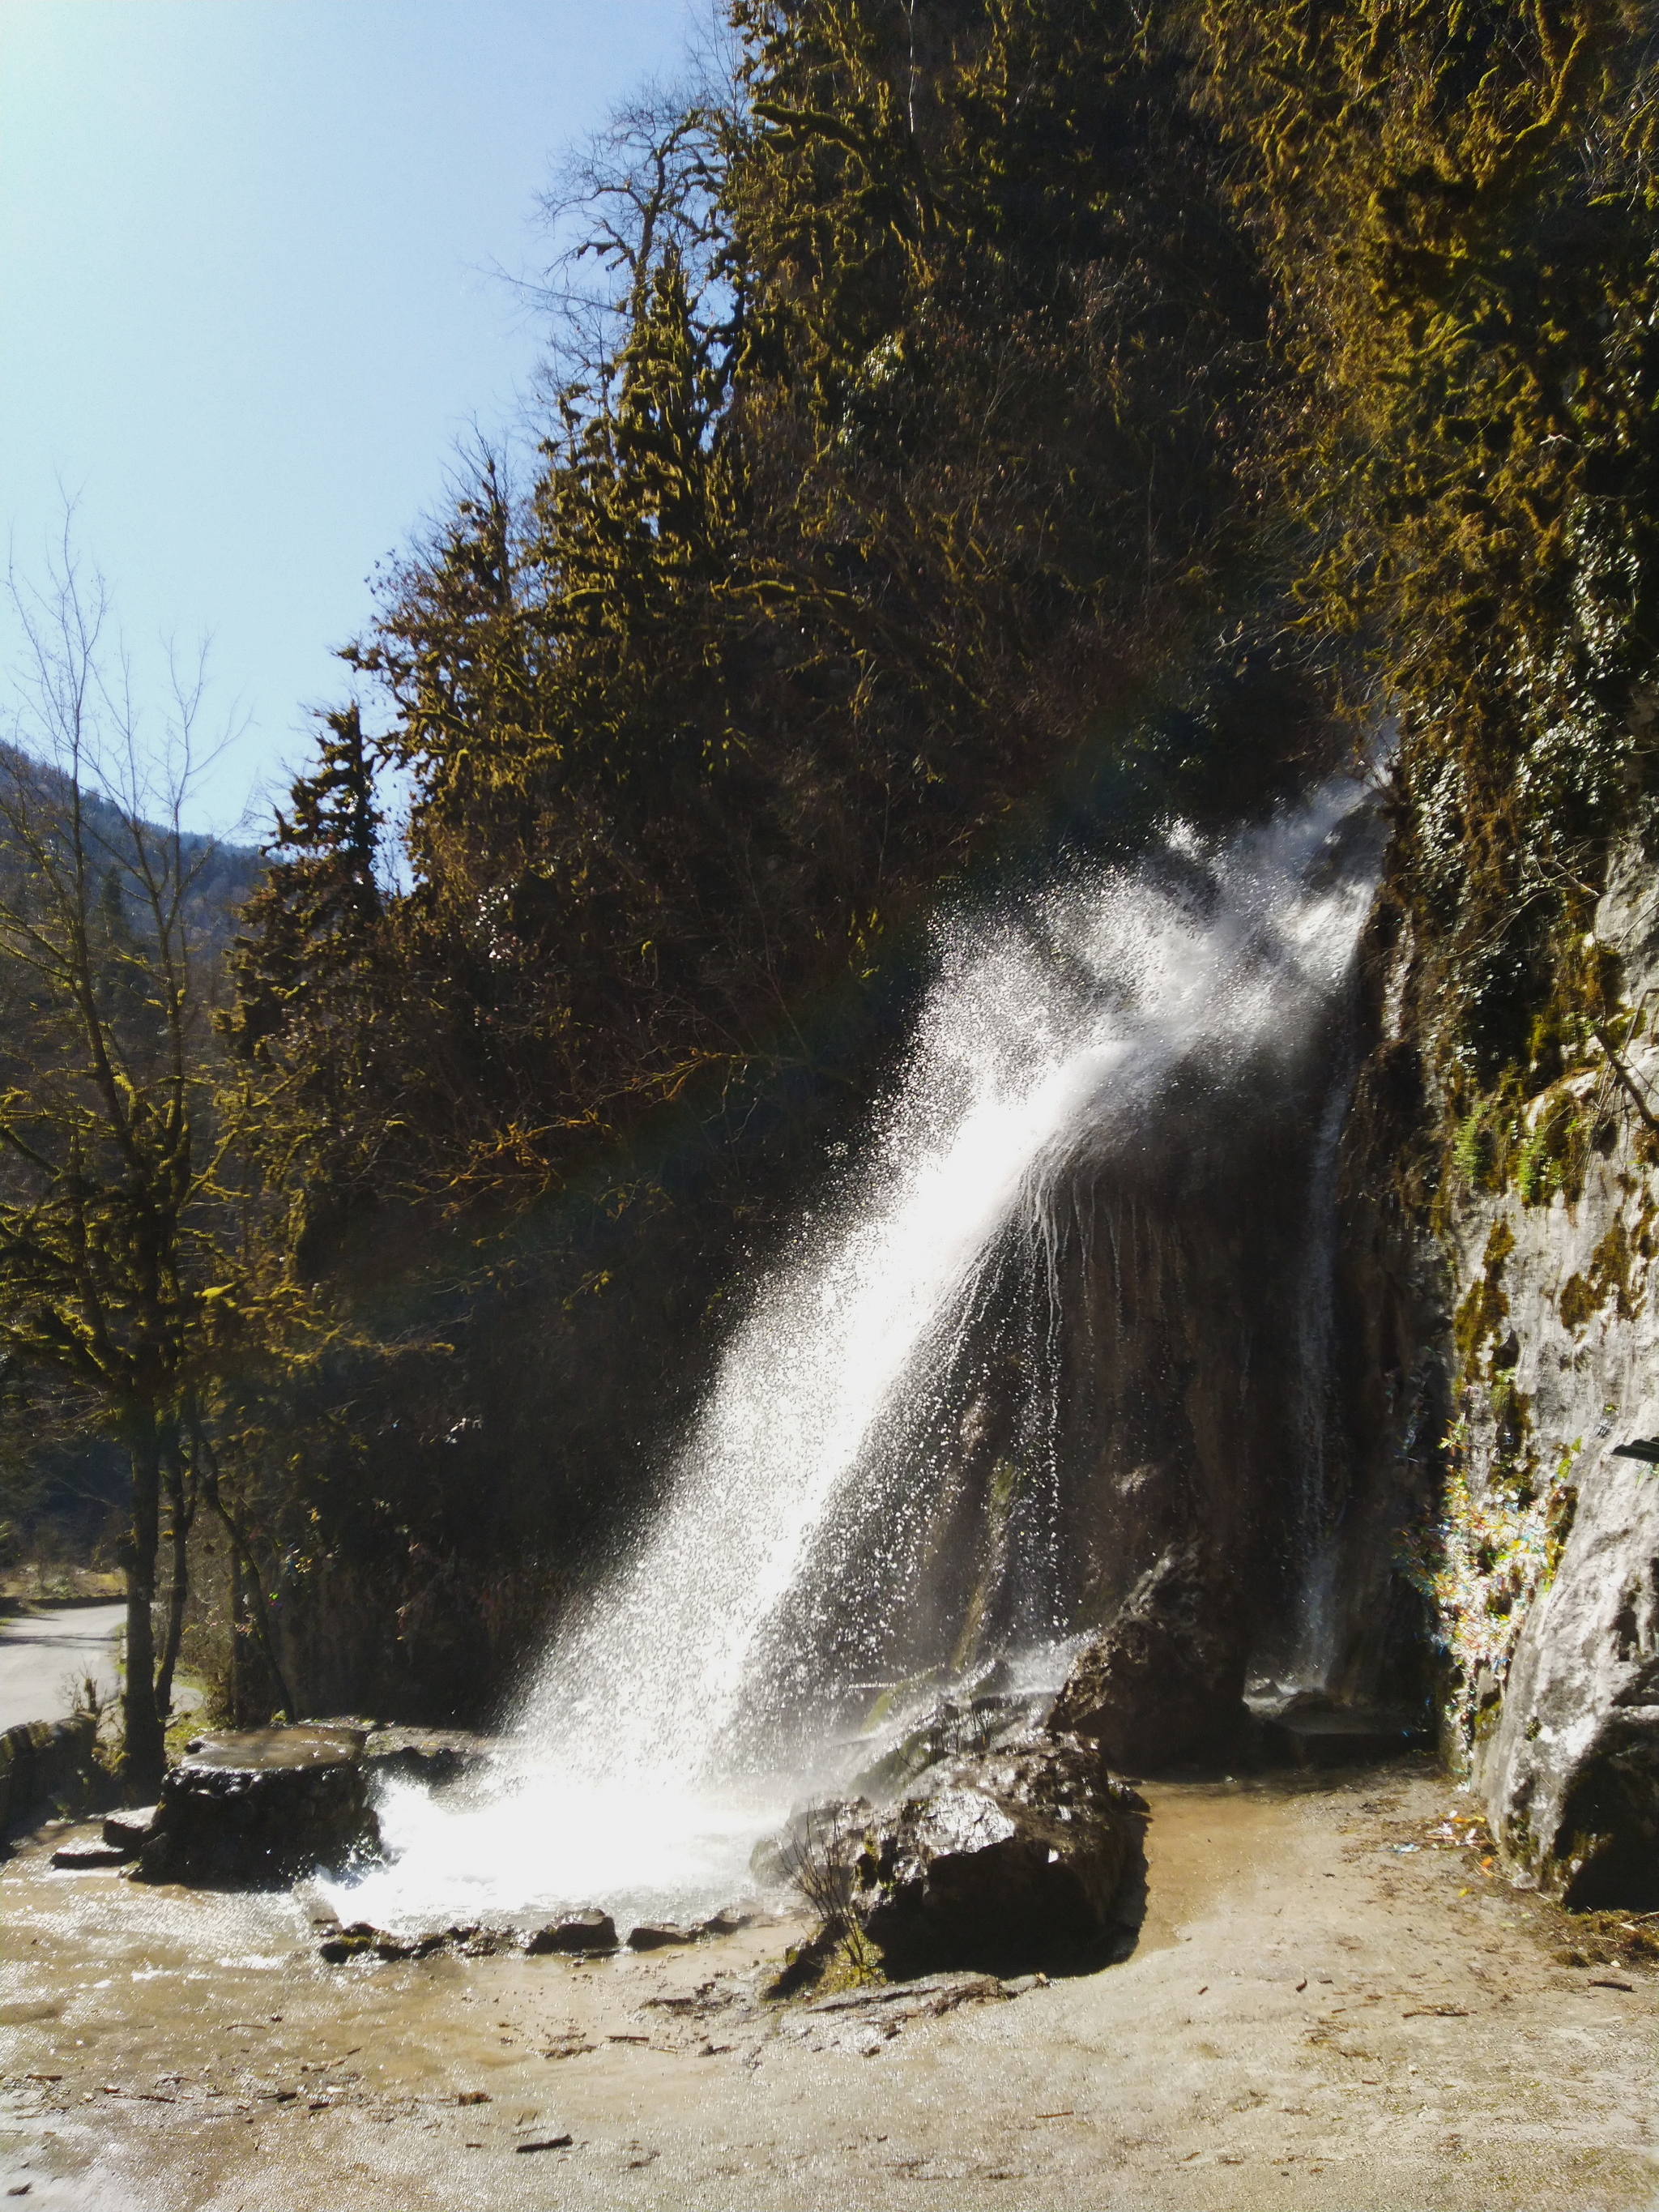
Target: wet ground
<point>1330,2004</point>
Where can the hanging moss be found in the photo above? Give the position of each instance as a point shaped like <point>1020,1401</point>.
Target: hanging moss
<point>1618,1271</point>
<point>1486,1305</point>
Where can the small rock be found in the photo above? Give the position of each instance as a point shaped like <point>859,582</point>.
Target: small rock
<point>732,1919</point>
<point>474,2097</point>
<point>591,1931</point>
<point>92,1852</point>
<point>348,1943</point>
<point>658,1934</point>
<point>481,1942</point>
<point>316,1907</point>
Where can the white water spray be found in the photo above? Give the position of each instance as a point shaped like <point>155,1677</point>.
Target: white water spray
<point>1044,1027</point>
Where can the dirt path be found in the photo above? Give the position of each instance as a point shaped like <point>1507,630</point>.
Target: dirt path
<point>1328,2006</point>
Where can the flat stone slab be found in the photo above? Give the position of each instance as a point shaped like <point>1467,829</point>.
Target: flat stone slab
<point>90,1852</point>
<point>267,1751</point>
<point>926,1993</point>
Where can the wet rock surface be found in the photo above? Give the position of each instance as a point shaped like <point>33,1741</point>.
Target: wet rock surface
<point>955,1729</point>
<point>733,1919</point>
<point>1164,1682</point>
<point>829,1828</point>
<point>430,1756</point>
<point>1012,1859</point>
<point>256,1809</point>
<point>360,1939</point>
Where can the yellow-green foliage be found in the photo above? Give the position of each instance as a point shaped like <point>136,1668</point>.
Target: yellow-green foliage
<point>1461,195</point>
<point>1494,1549</point>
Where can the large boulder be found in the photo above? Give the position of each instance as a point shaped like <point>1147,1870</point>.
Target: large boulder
<point>256,1810</point>
<point>1012,1860</point>
<point>1165,1679</point>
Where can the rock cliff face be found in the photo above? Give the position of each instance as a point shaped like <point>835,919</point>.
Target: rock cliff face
<point>1498,1344</point>
<point>1545,1568</point>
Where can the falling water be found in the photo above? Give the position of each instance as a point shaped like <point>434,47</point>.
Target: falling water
<point>679,1711</point>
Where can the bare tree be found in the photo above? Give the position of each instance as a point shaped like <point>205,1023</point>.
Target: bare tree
<point>112,1272</point>
<point>646,185</point>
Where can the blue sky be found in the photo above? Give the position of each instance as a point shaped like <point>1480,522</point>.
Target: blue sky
<point>246,306</point>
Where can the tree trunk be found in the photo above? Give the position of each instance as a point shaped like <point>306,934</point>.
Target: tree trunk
<point>143,1756</point>
<point>239,1632</point>
<point>251,1597</point>
<point>182,1505</point>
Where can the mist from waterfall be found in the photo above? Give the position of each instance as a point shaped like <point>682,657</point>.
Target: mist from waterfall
<point>678,1710</point>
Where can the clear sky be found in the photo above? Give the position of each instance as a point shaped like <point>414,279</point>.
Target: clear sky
<point>246,306</point>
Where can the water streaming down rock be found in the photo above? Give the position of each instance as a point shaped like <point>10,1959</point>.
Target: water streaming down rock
<point>976,1394</point>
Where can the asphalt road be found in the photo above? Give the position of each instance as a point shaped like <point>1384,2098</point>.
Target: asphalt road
<point>45,1654</point>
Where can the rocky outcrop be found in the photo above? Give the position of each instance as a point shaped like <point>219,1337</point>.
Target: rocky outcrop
<point>1165,1680</point>
<point>1541,1563</point>
<point>1012,1860</point>
<point>258,1809</point>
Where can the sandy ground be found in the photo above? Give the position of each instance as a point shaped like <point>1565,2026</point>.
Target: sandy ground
<point>1327,2006</point>
<point>45,1654</point>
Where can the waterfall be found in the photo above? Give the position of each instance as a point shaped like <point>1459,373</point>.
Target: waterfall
<point>824,1539</point>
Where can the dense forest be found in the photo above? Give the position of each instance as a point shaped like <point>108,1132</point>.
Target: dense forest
<point>979,431</point>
